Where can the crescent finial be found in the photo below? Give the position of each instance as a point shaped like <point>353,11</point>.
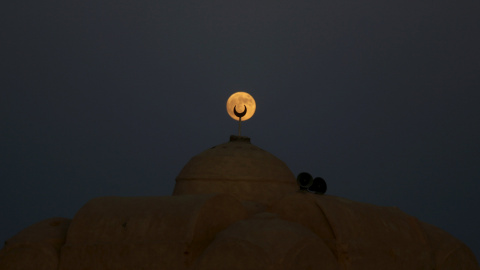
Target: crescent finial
<point>239,115</point>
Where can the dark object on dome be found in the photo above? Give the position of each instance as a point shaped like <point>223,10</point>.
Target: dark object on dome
<point>319,186</point>
<point>304,180</point>
<point>239,115</point>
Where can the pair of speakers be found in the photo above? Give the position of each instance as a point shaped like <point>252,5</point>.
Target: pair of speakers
<point>307,183</point>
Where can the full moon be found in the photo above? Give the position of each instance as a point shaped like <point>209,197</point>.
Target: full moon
<point>238,100</point>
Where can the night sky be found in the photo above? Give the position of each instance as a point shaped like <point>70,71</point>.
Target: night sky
<point>112,98</point>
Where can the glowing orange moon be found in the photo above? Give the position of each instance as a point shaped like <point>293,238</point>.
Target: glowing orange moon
<point>241,99</point>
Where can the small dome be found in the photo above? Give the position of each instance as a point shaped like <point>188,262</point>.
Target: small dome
<point>238,168</point>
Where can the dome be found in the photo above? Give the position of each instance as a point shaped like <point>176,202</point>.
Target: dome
<point>239,168</point>
<point>235,206</point>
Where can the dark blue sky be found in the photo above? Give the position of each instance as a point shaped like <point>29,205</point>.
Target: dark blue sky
<point>380,98</point>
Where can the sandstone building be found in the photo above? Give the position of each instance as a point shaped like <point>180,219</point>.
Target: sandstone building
<point>235,206</point>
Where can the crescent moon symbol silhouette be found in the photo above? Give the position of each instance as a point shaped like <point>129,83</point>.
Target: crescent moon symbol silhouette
<point>240,99</point>
<point>239,115</point>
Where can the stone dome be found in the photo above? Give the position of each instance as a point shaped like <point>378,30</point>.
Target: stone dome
<point>256,220</point>
<point>239,168</point>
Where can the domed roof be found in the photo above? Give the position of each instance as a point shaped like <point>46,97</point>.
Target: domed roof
<point>215,231</point>
<point>238,168</point>
<point>258,221</point>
